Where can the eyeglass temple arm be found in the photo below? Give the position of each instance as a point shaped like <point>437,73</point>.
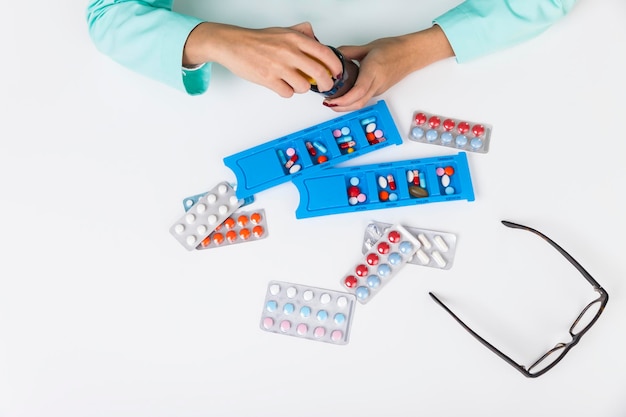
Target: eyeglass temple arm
<point>488,345</point>
<point>556,246</point>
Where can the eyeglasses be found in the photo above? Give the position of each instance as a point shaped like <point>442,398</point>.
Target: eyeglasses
<point>583,322</point>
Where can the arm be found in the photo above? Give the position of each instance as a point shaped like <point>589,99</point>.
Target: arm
<point>479,27</point>
<point>147,37</point>
<point>472,29</point>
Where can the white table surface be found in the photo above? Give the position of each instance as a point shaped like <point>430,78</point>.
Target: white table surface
<point>104,313</point>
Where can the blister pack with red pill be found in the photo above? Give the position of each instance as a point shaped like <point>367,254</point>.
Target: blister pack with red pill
<point>437,249</point>
<point>205,215</point>
<point>380,263</point>
<point>451,132</point>
<point>308,312</point>
<point>239,227</point>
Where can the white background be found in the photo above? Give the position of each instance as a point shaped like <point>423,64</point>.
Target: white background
<point>104,313</point>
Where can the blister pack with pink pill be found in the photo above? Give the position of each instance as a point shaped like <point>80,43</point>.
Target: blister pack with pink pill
<point>239,227</point>
<point>387,255</point>
<point>205,215</point>
<point>436,249</point>
<point>451,132</point>
<point>308,312</point>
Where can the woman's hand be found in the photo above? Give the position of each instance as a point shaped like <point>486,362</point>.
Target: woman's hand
<point>285,60</point>
<point>384,62</point>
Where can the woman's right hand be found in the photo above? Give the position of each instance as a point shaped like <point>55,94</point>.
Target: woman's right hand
<point>284,60</point>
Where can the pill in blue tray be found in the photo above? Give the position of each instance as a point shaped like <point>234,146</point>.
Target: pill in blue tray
<point>386,185</point>
<point>313,149</point>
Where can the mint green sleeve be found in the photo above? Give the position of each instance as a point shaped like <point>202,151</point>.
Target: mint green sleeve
<point>479,27</point>
<point>147,37</point>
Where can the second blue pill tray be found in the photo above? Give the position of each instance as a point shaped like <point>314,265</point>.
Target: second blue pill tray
<point>311,150</point>
<point>386,185</point>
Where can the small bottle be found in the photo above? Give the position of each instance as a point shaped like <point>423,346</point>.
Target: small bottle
<point>342,85</point>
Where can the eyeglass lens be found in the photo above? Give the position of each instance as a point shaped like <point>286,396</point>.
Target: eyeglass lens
<point>583,322</point>
<point>586,318</point>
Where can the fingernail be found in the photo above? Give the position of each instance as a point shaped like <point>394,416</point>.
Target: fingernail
<point>327,104</point>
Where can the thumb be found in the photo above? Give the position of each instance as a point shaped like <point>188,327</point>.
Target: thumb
<point>354,51</point>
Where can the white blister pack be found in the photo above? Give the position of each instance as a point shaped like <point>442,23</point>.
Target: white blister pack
<point>205,215</point>
<point>387,255</point>
<point>308,312</point>
<point>437,249</point>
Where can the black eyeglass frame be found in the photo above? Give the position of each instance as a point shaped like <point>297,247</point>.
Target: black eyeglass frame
<point>563,347</point>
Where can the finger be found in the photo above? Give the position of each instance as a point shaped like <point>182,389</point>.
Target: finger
<point>325,58</point>
<point>298,82</point>
<point>357,97</point>
<point>317,74</point>
<point>281,88</point>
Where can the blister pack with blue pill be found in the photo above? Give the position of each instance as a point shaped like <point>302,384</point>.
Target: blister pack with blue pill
<point>437,248</point>
<point>387,185</point>
<point>451,132</point>
<point>205,215</point>
<point>313,149</point>
<point>388,255</point>
<point>308,312</point>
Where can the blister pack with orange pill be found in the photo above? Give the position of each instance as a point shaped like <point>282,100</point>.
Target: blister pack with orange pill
<point>239,227</point>
<point>454,133</point>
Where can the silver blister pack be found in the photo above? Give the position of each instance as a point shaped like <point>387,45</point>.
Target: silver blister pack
<point>437,249</point>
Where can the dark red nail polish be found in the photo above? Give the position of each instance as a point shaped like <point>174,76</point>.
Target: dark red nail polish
<point>329,104</point>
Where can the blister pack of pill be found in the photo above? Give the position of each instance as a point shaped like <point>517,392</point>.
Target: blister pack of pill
<point>239,227</point>
<point>386,185</point>
<point>313,149</point>
<point>451,132</point>
<point>380,263</point>
<point>308,312</point>
<point>193,199</point>
<point>205,215</point>
<point>437,249</point>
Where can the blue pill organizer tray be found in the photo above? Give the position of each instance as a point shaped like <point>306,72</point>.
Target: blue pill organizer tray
<point>311,150</point>
<point>386,185</point>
